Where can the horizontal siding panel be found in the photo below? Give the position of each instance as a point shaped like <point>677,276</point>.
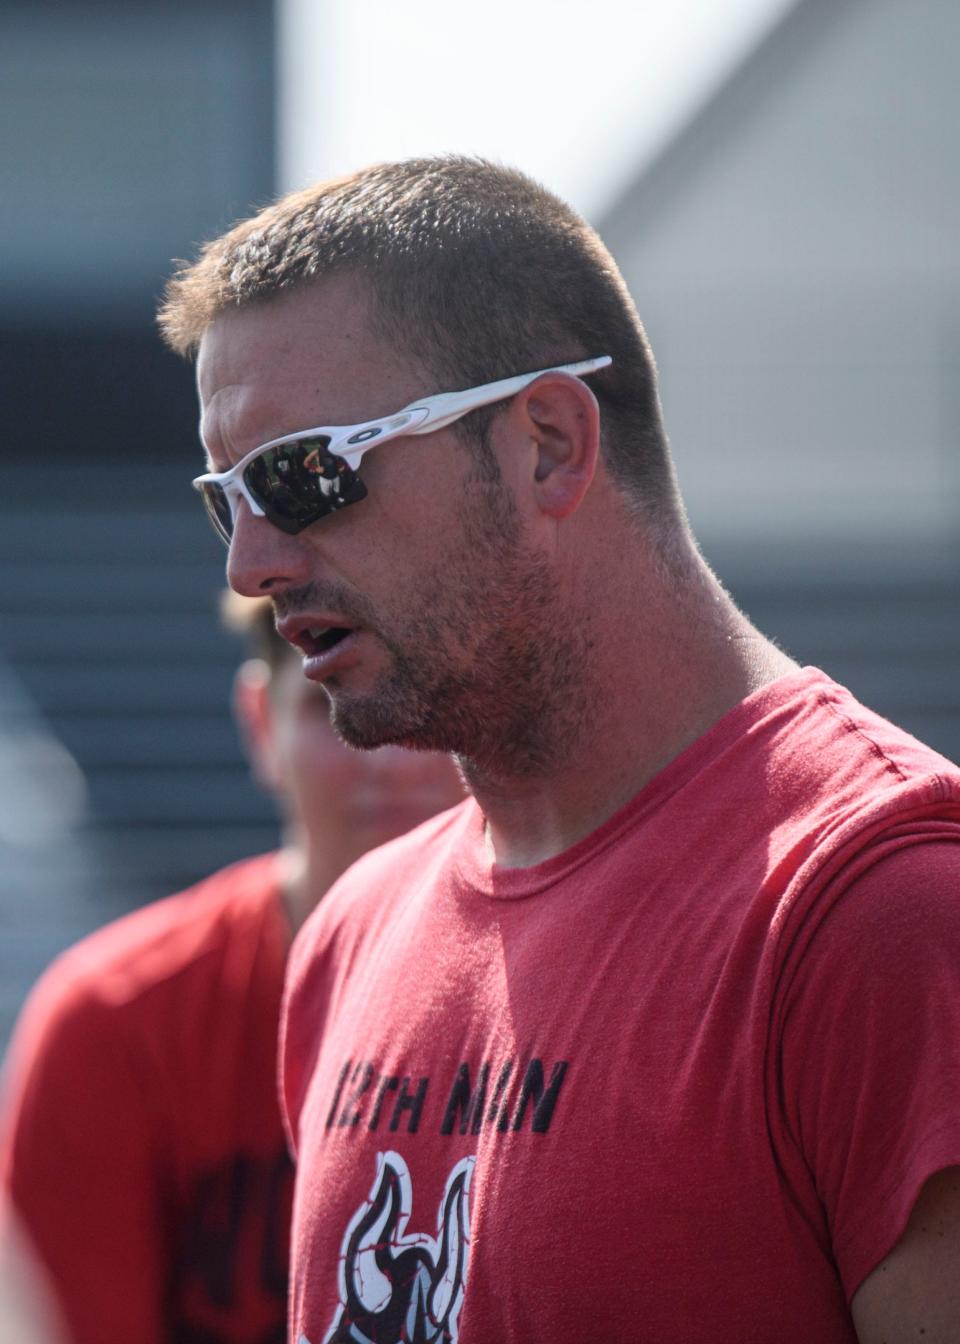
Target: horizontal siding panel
<point>102,637</point>
<point>138,587</point>
<point>120,689</point>
<point>160,740</point>
<point>119,797</point>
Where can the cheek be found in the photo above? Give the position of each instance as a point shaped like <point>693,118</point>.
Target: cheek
<point>376,794</point>
<point>316,761</point>
<point>392,544</point>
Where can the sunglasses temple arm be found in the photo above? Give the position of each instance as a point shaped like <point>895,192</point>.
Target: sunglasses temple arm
<point>450,406</point>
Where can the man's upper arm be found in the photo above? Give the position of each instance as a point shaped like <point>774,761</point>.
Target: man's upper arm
<point>80,1164</point>
<point>870,1053</point>
<point>914,1293</point>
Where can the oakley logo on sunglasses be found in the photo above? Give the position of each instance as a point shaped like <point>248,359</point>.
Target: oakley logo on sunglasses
<point>296,480</point>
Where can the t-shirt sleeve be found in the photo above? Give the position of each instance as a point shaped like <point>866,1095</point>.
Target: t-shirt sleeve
<point>870,1049</point>
<point>78,1147</point>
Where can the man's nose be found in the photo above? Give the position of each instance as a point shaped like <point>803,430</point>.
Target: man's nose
<point>262,559</point>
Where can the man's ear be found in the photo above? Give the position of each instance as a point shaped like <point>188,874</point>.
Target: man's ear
<point>563,420</point>
<point>253,713</point>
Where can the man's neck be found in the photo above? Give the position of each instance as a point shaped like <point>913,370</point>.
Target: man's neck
<point>307,875</point>
<point>663,675</point>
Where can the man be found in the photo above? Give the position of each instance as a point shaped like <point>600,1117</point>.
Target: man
<point>658,1037</point>
<point>145,1155</point>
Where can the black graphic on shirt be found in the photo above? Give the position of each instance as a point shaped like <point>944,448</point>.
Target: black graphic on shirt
<point>229,1276</point>
<point>400,1288</point>
<point>513,1096</point>
<point>466,1106</point>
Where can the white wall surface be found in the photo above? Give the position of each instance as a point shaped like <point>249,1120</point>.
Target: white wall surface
<point>572,94</point>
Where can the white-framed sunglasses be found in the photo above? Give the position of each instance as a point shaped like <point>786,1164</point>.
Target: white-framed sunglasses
<point>298,479</point>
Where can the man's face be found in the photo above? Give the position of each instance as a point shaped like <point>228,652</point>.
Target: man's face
<point>454,639</point>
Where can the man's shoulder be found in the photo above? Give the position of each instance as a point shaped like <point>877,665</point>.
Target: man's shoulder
<point>820,748</point>
<point>130,1014</point>
<point>899,751</point>
<point>143,952</point>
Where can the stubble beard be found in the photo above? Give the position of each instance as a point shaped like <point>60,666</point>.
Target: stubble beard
<point>489,668</point>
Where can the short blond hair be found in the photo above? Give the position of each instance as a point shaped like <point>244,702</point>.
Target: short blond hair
<point>475,271</point>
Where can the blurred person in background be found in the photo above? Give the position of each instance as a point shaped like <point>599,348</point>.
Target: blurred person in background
<point>142,1141</point>
<point>657,1038</point>
<point>29,1313</point>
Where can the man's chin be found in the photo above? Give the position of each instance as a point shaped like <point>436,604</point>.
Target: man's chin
<point>368,724</point>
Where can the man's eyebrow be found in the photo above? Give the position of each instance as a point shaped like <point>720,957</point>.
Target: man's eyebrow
<point>217,448</point>
<point>208,452</point>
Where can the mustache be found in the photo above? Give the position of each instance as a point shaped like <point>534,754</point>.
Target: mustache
<point>335,597</point>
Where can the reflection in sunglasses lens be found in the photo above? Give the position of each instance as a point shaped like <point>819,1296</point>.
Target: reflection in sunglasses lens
<point>298,483</point>
<point>288,480</point>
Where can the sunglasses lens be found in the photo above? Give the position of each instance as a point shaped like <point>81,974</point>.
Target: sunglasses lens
<point>218,509</point>
<point>300,482</point>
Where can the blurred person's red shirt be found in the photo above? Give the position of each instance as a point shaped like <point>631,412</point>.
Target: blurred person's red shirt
<point>143,1146</point>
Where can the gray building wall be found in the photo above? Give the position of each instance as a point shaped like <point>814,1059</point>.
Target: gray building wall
<point>794,257</point>
<point>133,132</point>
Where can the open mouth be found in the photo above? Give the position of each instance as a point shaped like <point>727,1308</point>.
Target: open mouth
<point>313,638</point>
<point>322,640</point>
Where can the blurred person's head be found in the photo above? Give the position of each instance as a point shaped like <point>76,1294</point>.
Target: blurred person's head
<point>335,802</point>
<point>480,273</point>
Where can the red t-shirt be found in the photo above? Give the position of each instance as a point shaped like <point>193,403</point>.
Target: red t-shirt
<point>143,1146</point>
<point>680,1084</point>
